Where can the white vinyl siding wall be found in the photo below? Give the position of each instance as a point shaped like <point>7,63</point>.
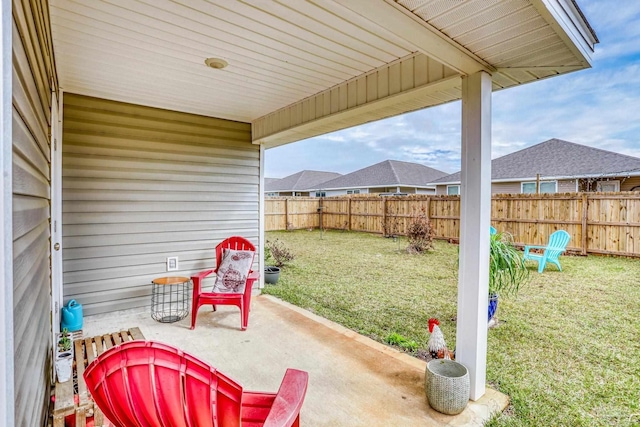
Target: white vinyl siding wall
<point>506,187</point>
<point>141,184</point>
<point>33,71</point>
<point>567,186</point>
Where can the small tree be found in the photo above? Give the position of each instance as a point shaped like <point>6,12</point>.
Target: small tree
<point>280,254</point>
<point>420,233</point>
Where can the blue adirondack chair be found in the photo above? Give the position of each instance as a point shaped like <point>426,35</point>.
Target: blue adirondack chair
<point>557,245</point>
<point>492,230</point>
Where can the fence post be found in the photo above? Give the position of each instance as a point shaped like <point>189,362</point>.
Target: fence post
<point>585,209</point>
<point>349,215</point>
<point>384,216</point>
<point>286,214</point>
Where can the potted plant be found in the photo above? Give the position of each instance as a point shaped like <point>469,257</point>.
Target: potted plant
<point>64,356</point>
<point>276,252</point>
<point>507,271</point>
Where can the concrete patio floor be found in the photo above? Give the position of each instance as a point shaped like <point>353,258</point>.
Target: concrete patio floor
<point>353,380</point>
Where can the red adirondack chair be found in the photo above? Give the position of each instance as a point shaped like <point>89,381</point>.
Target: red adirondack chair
<point>240,300</point>
<point>150,384</point>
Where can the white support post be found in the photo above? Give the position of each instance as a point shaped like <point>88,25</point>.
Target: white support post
<point>6,223</point>
<point>475,219</point>
<point>261,220</point>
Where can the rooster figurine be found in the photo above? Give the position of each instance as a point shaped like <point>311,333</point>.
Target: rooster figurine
<point>436,345</point>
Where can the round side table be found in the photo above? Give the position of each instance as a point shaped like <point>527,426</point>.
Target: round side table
<point>170,299</point>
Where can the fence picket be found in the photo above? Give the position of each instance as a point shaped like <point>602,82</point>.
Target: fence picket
<point>602,223</point>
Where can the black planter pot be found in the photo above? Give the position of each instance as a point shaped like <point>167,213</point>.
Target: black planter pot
<point>271,274</point>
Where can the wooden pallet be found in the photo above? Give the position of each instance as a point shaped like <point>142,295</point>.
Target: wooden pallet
<point>86,350</point>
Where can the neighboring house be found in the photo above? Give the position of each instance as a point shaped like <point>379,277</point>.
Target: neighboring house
<point>298,184</point>
<point>562,166</point>
<point>388,177</point>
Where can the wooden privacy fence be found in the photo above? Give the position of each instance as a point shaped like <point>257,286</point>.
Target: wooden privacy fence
<point>600,223</point>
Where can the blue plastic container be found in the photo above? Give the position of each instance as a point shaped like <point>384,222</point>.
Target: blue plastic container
<point>72,316</point>
<point>493,305</point>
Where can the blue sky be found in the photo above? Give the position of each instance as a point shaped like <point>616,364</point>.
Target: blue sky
<point>599,107</point>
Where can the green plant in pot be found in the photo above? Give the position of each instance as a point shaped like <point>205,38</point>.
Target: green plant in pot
<point>64,356</point>
<point>507,271</point>
<point>279,255</point>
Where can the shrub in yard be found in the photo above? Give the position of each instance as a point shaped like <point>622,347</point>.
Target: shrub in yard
<point>280,254</point>
<point>420,233</point>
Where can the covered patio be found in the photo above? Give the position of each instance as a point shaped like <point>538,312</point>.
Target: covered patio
<point>138,128</point>
<point>354,381</point>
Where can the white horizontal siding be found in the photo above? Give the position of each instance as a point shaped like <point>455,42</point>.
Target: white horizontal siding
<point>141,184</point>
<point>33,74</point>
<point>567,186</point>
<point>514,187</point>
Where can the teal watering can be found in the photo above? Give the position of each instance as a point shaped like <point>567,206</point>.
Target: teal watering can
<point>72,316</point>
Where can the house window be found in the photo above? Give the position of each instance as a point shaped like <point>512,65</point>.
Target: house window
<point>613,185</point>
<point>321,194</point>
<point>545,187</point>
<point>271,194</point>
<point>353,191</point>
<point>453,190</point>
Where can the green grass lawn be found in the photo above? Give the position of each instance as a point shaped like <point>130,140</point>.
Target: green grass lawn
<point>567,350</point>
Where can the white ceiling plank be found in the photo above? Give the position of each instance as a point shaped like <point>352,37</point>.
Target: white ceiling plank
<point>471,15</point>
<point>406,25</point>
<point>206,24</point>
<point>170,47</point>
<point>365,42</point>
<point>161,86</point>
<point>343,23</point>
<point>501,30</point>
<point>154,82</point>
<point>188,29</point>
<point>276,28</point>
<point>204,96</point>
<point>186,69</point>
<point>174,93</point>
<point>513,46</point>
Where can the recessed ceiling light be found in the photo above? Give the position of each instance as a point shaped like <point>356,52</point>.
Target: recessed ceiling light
<point>216,63</point>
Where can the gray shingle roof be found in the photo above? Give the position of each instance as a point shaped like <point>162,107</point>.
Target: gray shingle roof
<point>303,180</point>
<point>387,173</point>
<point>557,158</point>
<point>269,181</point>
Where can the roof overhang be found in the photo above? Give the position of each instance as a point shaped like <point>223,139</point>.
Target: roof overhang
<point>298,68</point>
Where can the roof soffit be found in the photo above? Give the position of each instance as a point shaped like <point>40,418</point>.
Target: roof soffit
<point>152,52</point>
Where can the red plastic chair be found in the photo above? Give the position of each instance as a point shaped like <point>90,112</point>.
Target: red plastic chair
<point>150,384</point>
<point>242,301</point>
